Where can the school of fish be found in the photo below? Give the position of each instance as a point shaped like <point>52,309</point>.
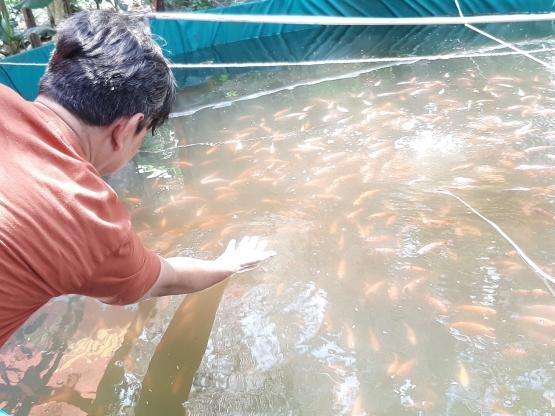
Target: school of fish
<point>351,175</point>
<point>342,185</point>
<point>386,297</point>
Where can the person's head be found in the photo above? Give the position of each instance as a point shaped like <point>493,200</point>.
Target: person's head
<point>106,67</point>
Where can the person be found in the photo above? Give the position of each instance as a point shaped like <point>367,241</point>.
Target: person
<point>62,228</point>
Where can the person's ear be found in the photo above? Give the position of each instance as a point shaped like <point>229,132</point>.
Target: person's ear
<point>125,127</point>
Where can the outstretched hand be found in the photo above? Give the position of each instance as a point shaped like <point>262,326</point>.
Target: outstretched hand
<point>248,254</point>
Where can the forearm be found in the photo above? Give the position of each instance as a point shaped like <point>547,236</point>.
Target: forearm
<point>181,275</point>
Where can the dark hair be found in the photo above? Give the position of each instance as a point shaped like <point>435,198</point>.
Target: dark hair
<point>105,67</point>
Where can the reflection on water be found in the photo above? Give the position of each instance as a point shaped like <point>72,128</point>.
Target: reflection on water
<point>386,298</point>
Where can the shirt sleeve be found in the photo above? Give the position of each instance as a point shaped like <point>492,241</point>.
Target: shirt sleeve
<point>126,275</point>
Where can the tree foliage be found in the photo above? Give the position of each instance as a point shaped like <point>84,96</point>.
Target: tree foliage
<point>32,4</point>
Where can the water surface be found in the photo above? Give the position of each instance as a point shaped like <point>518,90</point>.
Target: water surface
<point>386,297</point>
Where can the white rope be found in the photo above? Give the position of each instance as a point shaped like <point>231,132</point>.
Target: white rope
<point>287,87</point>
<point>327,62</point>
<point>21,64</point>
<point>533,265</point>
<point>202,16</point>
<point>210,144</point>
<point>502,42</point>
<point>355,61</point>
<point>514,48</point>
<point>350,21</point>
<point>400,61</point>
<point>459,8</point>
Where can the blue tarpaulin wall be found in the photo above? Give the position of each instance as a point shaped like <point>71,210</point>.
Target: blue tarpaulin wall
<point>25,79</point>
<point>187,37</point>
<point>340,43</point>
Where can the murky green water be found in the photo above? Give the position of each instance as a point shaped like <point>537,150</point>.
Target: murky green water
<point>386,298</point>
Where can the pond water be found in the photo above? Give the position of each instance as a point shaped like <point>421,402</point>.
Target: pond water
<point>386,297</point>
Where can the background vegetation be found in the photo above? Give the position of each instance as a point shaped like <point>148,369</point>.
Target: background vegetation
<point>29,23</point>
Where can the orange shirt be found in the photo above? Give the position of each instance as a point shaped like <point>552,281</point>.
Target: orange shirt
<point>62,228</point>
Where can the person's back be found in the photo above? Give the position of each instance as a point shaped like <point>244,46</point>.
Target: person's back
<point>62,228</point>
<point>59,221</point>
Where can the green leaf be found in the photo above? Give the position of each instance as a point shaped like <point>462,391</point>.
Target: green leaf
<point>43,31</point>
<point>75,6</point>
<point>121,5</point>
<point>32,4</point>
<point>3,33</point>
<point>6,36</point>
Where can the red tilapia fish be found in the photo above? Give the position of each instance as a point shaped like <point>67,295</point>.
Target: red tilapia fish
<point>433,245</point>
<point>535,168</point>
<point>543,212</point>
<point>538,321</point>
<point>484,310</point>
<point>365,195</point>
<point>472,327</point>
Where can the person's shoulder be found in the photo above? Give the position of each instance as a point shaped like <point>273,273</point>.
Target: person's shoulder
<point>12,104</point>
<point>9,93</point>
